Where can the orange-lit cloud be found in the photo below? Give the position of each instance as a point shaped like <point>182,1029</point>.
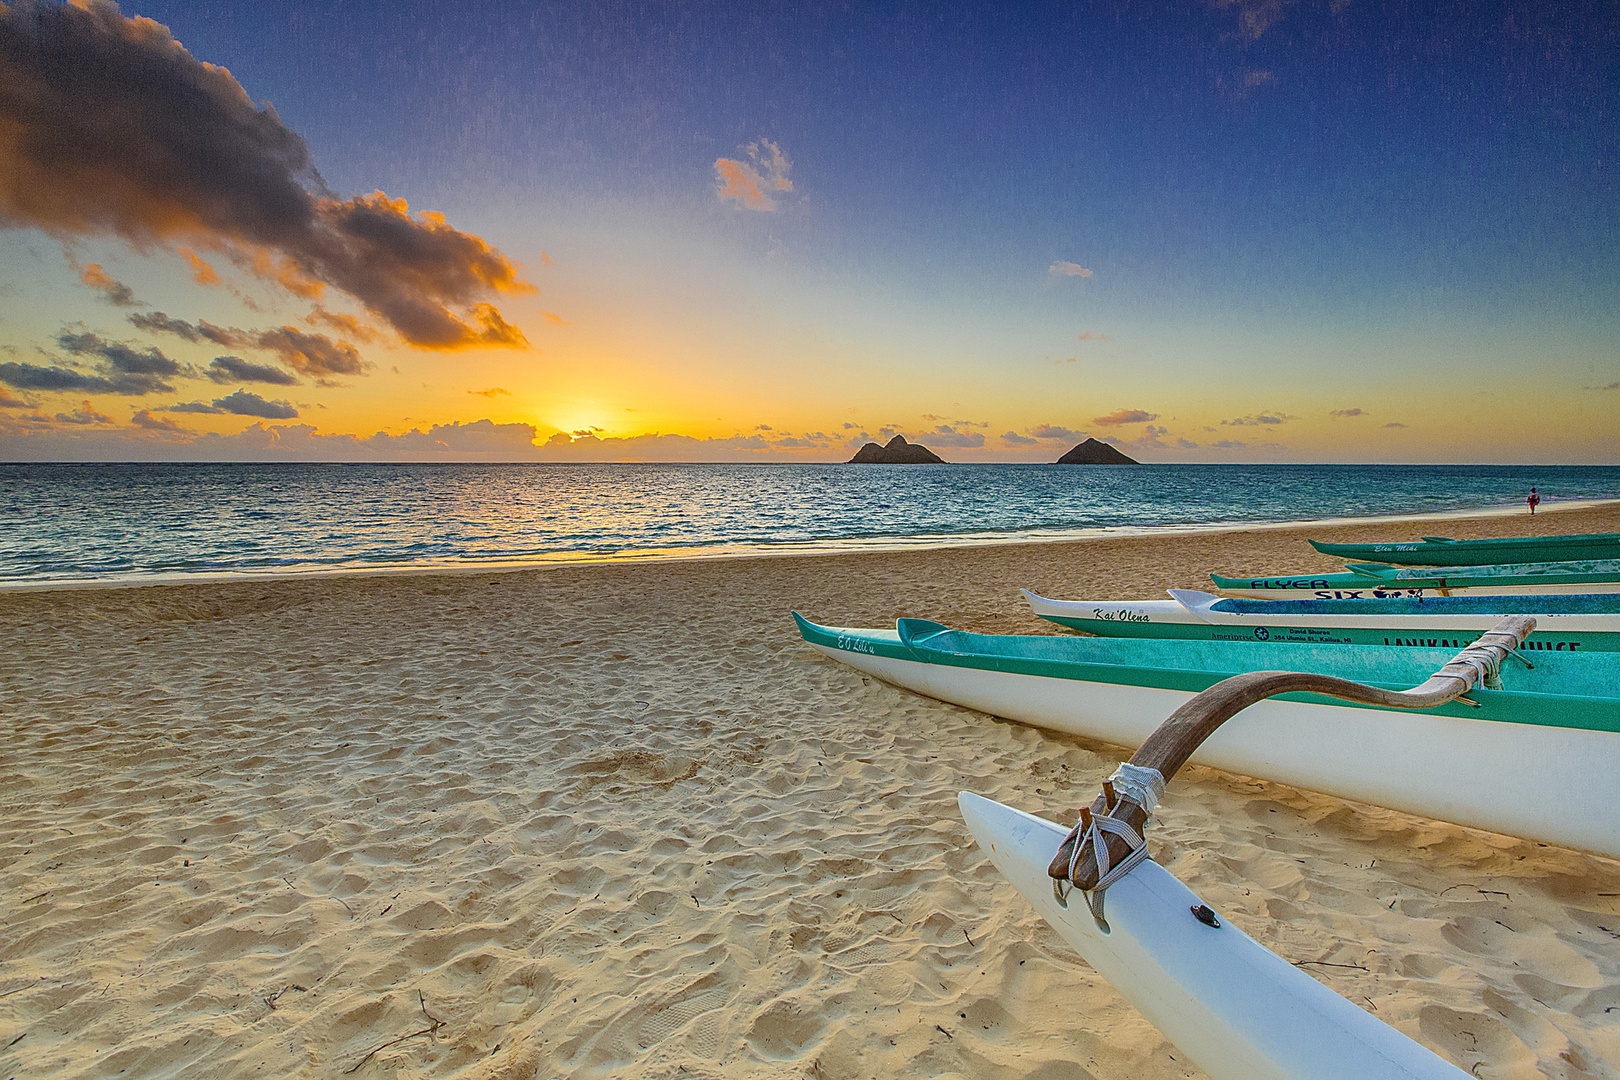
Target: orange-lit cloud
<point>1121,417</point>
<point>343,323</point>
<point>113,291</point>
<point>160,424</point>
<point>758,182</point>
<point>1062,268</point>
<point>85,414</point>
<point>555,319</point>
<point>492,392</point>
<point>109,127</point>
<point>201,272</point>
<point>315,355</point>
<point>1345,412</point>
<point>1089,335</point>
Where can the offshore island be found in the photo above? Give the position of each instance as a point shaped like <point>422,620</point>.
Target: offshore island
<point>897,451</point>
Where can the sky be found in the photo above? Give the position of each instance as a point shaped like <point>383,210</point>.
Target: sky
<point>1206,230</point>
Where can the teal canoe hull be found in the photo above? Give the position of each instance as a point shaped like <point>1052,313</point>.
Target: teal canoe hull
<point>1441,551</point>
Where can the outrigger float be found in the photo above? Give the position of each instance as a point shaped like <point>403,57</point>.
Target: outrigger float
<point>1491,761</point>
<point>1368,581</point>
<point>1444,551</point>
<point>1237,1009</point>
<point>1569,623</point>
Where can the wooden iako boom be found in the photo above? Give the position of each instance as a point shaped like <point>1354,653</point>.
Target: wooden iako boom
<point>1175,740</point>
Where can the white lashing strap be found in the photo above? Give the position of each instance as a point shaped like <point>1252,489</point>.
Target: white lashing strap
<point>1140,785</point>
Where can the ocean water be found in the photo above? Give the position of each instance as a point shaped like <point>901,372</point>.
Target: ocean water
<point>64,523</point>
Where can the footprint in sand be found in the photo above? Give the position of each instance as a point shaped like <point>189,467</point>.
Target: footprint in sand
<point>639,767</point>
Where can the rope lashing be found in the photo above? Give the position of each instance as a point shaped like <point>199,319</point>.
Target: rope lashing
<point>1132,783</point>
<point>1480,664</point>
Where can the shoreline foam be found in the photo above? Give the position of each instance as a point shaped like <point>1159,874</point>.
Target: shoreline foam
<point>851,546</point>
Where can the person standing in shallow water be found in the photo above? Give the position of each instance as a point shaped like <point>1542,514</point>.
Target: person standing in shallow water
<point>1534,500</point>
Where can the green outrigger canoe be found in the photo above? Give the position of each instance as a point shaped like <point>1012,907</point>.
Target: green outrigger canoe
<point>1443,551</point>
<point>1368,581</point>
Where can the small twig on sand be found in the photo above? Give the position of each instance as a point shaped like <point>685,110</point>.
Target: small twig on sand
<point>943,1032</point>
<point>1329,963</point>
<point>434,1024</point>
<point>969,940</point>
<point>20,989</point>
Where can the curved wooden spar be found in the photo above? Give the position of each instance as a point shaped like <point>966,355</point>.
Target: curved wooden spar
<point>1169,747</point>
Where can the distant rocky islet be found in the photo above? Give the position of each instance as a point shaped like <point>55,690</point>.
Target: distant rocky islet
<point>1095,452</point>
<point>900,452</point>
<point>896,452</point>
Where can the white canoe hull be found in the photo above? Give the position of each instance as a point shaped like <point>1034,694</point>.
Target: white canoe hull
<point>1237,1009</point>
<point>1554,784</point>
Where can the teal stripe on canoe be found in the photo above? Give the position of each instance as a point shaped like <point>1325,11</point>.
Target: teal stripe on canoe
<point>1562,690</point>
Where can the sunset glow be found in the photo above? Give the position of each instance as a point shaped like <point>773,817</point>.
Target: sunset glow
<point>997,232</point>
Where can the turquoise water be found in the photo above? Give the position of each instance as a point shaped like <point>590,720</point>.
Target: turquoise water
<point>111,522</point>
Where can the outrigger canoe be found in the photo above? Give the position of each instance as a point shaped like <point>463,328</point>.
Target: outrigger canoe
<point>1581,623</point>
<point>1233,1006</point>
<point>1239,1011</point>
<point>1368,581</point>
<point>1492,765</point>
<point>1443,551</point>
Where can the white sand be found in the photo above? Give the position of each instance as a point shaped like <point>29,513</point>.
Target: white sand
<point>620,821</point>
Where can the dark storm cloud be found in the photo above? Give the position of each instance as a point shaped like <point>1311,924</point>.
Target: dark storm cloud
<point>39,377</point>
<point>241,403</point>
<point>120,369</point>
<point>233,369</point>
<point>158,322</point>
<point>129,371</point>
<point>108,126</point>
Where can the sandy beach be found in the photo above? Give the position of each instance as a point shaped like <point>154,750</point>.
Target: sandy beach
<point>618,820</point>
